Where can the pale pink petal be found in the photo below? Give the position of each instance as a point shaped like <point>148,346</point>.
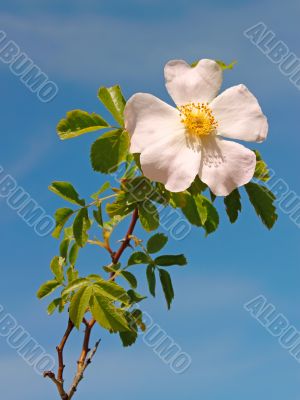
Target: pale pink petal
<point>172,161</point>
<point>239,115</point>
<point>198,84</point>
<point>148,119</point>
<point>225,165</point>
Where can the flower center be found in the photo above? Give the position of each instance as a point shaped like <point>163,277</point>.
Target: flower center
<point>198,119</point>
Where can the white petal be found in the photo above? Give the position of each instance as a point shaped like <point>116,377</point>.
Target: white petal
<point>239,115</point>
<point>225,165</point>
<point>187,84</point>
<point>172,161</point>
<point>148,119</point>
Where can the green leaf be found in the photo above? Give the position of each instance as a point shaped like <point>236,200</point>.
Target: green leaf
<point>63,248</point>
<point>73,254</point>
<point>119,207</point>
<point>57,269</point>
<point>197,186</point>
<point>168,260</point>
<point>151,279</point>
<point>61,216</point>
<point>111,290</point>
<point>202,208</point>
<point>262,200</point>
<point>212,221</point>
<point>198,210</point>
<point>156,242</point>
<point>261,169</point>
<point>98,215</point>
<point>135,297</point>
<point>107,315</point>
<point>233,205</point>
<point>67,191</point>
<point>134,320</point>
<point>138,257</point>
<point>149,216</point>
<point>79,305</point>
<point>222,64</point>
<point>104,187</point>
<point>130,278</point>
<point>80,227</point>
<point>72,274</point>
<point>72,286</point>
<point>109,151</point>
<point>128,338</point>
<point>47,288</point>
<point>78,122</point>
<point>113,100</point>
<point>167,286</point>
<point>225,66</point>
<point>137,189</point>
<point>53,305</point>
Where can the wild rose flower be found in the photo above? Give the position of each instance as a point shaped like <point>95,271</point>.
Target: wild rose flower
<point>176,144</point>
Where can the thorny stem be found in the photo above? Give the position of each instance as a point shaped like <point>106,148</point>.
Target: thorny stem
<point>86,355</point>
<point>60,349</point>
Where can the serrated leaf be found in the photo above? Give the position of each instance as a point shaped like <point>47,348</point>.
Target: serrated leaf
<point>98,215</point>
<point>75,285</point>
<point>167,286</point>
<point>137,189</point>
<point>73,254</point>
<point>67,191</point>
<point>107,315</point>
<point>222,64</point>
<point>135,297</point>
<point>53,305</point>
<point>202,209</point>
<point>225,66</point>
<point>138,257</point>
<point>130,278</point>
<point>156,243</point>
<point>113,100</point>
<point>78,122</point>
<point>119,207</point>
<point>61,216</point>
<point>151,279</point>
<point>57,269</point>
<point>104,187</point>
<point>72,274</point>
<point>261,169</point>
<point>63,248</point>
<point>212,221</point>
<point>111,290</point>
<point>233,205</point>
<point>168,260</point>
<point>128,338</point>
<point>79,305</point>
<point>109,151</point>
<point>47,288</point>
<point>262,200</point>
<point>80,227</point>
<point>148,215</point>
<point>134,320</point>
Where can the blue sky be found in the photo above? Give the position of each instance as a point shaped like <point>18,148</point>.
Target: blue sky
<point>82,45</point>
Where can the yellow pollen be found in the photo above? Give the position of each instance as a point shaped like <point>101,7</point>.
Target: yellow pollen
<point>198,119</point>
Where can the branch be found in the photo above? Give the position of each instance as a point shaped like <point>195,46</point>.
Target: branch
<point>59,381</point>
<point>59,385</point>
<point>126,240</point>
<point>86,355</point>
<point>60,349</point>
<point>85,347</point>
<point>81,368</point>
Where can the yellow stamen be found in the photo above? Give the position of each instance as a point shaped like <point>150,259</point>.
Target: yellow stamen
<point>198,119</point>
